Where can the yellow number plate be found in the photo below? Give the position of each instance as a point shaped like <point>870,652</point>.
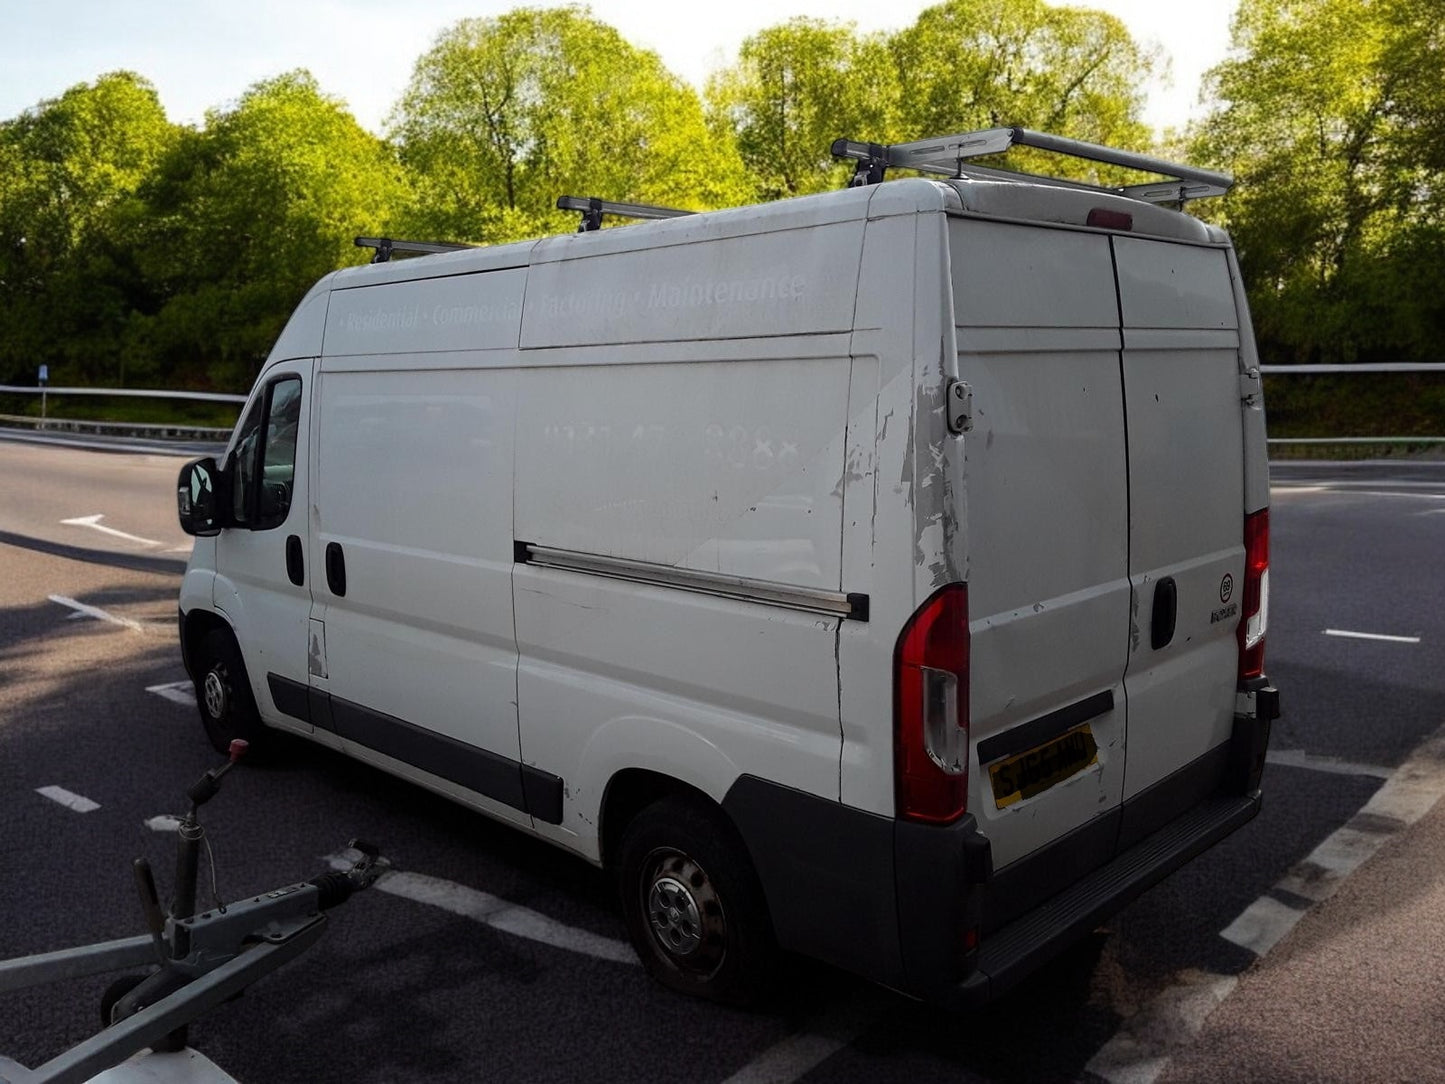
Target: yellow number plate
<point>1037,770</point>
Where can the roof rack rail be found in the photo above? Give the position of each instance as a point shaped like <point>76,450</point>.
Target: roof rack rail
<point>949,155</point>
<point>593,209</point>
<point>385,246</point>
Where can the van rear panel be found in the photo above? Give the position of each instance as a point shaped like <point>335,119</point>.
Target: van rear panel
<point>1044,465</point>
<point>1104,476</point>
<point>1186,500</point>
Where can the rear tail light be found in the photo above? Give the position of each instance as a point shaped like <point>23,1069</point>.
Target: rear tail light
<point>930,697</point>
<point>1254,616</point>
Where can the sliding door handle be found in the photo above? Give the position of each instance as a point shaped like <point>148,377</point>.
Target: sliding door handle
<point>336,569</point>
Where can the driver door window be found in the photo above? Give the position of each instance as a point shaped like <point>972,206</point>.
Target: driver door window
<point>265,469</point>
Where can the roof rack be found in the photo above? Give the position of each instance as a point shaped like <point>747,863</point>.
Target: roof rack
<point>593,209</point>
<point>949,155</point>
<point>385,246</point>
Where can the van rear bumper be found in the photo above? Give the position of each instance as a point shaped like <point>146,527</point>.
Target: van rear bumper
<point>1012,952</point>
<point>920,908</point>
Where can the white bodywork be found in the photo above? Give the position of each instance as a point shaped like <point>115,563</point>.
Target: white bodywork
<point>749,402</point>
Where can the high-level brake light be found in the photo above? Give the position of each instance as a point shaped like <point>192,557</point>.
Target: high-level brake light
<point>1254,616</point>
<point>930,690</point>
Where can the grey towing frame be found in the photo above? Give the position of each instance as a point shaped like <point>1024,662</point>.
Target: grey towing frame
<point>197,961</point>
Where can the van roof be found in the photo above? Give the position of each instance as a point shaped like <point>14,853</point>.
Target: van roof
<point>1038,202</point>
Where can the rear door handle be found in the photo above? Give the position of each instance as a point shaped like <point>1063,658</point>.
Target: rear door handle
<point>295,562</point>
<point>335,569</point>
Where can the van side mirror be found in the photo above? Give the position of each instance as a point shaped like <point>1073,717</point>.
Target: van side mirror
<point>198,502</point>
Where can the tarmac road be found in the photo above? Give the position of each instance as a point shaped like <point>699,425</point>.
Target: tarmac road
<point>470,966</point>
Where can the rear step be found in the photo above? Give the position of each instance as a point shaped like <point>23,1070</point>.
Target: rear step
<point>1010,954</point>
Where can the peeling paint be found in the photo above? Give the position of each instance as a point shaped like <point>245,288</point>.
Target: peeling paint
<point>853,471</point>
<point>906,479</point>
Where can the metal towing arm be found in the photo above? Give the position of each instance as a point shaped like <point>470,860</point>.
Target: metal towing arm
<point>198,960</point>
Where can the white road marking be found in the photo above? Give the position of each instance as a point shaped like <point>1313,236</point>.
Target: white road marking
<point>792,1058</point>
<point>94,522</point>
<point>181,1067</point>
<point>1372,636</point>
<point>1346,490</point>
<point>164,822</point>
<point>1262,925</point>
<point>70,800</point>
<point>496,912</point>
<point>1139,1053</point>
<point>177,692</point>
<point>97,613</point>
<point>1298,758</point>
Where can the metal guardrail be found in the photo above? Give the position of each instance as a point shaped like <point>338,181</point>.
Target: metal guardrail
<point>220,397</point>
<point>1336,370</point>
<point>161,431</point>
<point>133,393</point>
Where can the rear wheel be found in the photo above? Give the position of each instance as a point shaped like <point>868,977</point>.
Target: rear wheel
<point>693,904</point>
<point>223,694</point>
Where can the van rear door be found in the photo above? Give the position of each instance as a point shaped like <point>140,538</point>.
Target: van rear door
<point>1186,508</point>
<point>1037,326</point>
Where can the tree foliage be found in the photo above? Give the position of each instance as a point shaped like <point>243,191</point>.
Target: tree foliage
<point>134,250</point>
<point>246,214</point>
<point>795,88</point>
<point>963,65</point>
<point>73,166</point>
<point>505,114</point>
<point>1331,114</point>
<point>967,64</point>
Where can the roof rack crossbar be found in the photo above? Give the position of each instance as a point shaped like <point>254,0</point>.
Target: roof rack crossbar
<point>385,246</point>
<point>593,209</point>
<point>949,155</point>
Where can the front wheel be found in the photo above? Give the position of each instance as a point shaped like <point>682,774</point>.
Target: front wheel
<point>693,904</point>
<point>223,693</point>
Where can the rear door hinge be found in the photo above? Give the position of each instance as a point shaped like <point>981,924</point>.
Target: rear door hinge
<point>959,398</point>
<point>1250,387</point>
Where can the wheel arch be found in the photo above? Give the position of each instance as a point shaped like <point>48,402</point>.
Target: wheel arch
<point>630,791</point>
<point>195,627</point>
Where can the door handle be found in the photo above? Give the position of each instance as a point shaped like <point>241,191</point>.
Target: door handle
<point>335,569</point>
<point>1166,610</point>
<point>295,562</point>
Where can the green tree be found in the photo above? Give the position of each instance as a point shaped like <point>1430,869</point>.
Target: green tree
<point>245,215</point>
<point>963,65</point>
<point>795,88</point>
<point>505,114</point>
<point>72,168</point>
<point>967,64</point>
<point>1331,114</point>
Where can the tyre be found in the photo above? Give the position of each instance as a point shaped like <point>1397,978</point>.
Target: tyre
<point>223,694</point>
<point>114,992</point>
<point>694,907</point>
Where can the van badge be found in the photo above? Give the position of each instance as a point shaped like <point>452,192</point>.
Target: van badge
<point>1226,587</point>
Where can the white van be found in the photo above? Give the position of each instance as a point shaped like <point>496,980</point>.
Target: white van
<point>878,575</point>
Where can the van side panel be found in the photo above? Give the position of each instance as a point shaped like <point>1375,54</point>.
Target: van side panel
<point>783,282</point>
<point>708,466</point>
<point>414,490</point>
<point>900,507</point>
<point>701,430</point>
<point>730,466</point>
